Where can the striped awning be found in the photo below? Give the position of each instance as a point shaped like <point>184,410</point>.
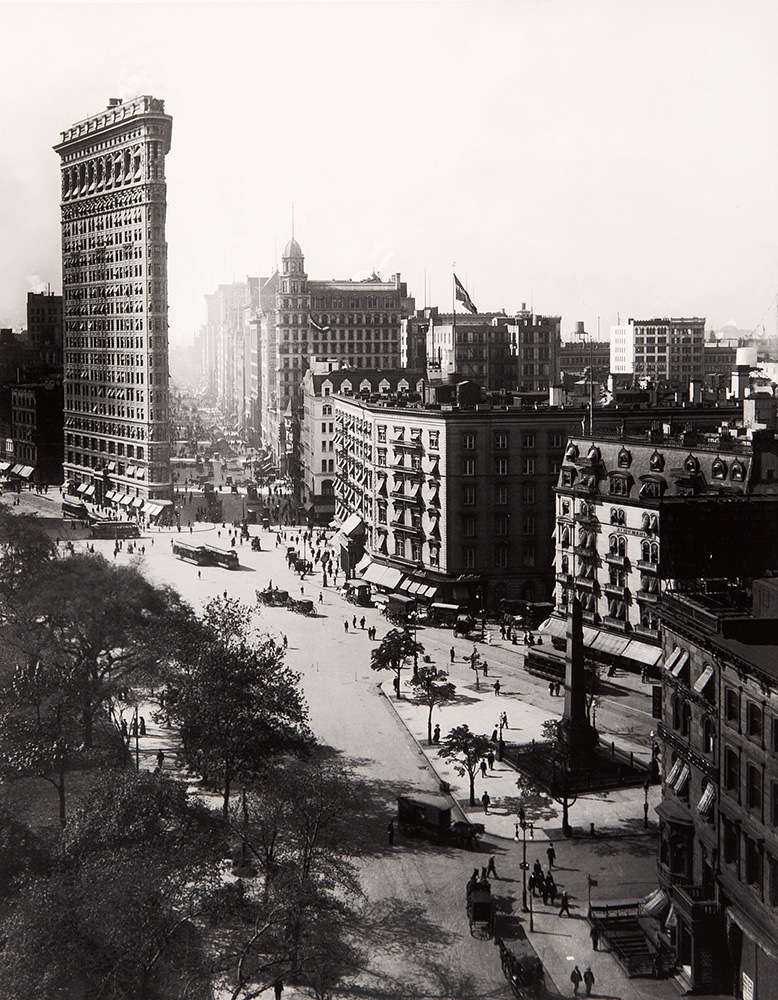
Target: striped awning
<point>708,797</point>
<point>702,681</point>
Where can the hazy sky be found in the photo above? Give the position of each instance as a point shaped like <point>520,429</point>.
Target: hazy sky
<point>588,157</point>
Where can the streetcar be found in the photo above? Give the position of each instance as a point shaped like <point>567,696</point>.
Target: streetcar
<point>191,553</point>
<point>228,558</point>
<point>115,529</point>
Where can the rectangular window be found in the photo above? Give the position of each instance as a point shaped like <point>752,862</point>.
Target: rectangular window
<point>731,843</point>
<point>468,497</point>
<point>468,557</point>
<point>731,770</point>
<point>501,556</point>
<point>468,527</point>
<point>528,524</point>
<point>501,440</point>
<point>732,705</point>
<point>381,432</point>
<point>752,868</point>
<point>501,524</point>
<point>529,465</point>
<point>382,456</point>
<point>754,715</point>
<point>529,555</point>
<point>501,466</point>
<point>434,438</point>
<point>399,545</point>
<point>468,466</point>
<point>500,495</point>
<point>528,494</point>
<point>528,441</point>
<point>468,442</point>
<point>753,787</point>
<point>557,441</point>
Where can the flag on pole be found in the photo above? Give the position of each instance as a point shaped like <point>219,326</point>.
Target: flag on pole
<point>461,295</point>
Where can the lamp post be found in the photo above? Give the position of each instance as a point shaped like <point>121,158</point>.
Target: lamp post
<point>523,825</point>
<point>645,802</point>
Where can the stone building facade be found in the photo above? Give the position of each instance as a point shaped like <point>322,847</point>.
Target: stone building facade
<point>114,284</point>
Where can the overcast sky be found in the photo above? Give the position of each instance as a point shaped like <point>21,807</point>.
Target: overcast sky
<point>589,158</point>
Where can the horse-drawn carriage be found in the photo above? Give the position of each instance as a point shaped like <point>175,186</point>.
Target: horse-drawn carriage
<point>524,973</point>
<point>429,815</point>
<point>273,596</point>
<point>481,906</point>
<point>304,606</point>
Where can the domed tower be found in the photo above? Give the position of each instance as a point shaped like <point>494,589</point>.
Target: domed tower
<point>293,268</point>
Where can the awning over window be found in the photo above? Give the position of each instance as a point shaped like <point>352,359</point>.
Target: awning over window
<point>15,470</point>
<point>111,495</point>
<point>137,501</point>
<point>680,664</point>
<point>5,466</point>
<point>372,572</point>
<point>131,470</point>
<point>390,578</point>
<point>111,467</point>
<point>152,509</point>
<point>82,488</point>
<point>672,811</point>
<point>656,904</point>
<point>26,471</point>
<point>406,585</point>
<point>682,780</point>
<point>353,525</point>
<point>89,491</point>
<point>702,681</point>
<point>362,565</point>
<point>675,770</point>
<point>708,797</point>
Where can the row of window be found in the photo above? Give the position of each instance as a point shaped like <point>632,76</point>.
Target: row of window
<point>500,494</point>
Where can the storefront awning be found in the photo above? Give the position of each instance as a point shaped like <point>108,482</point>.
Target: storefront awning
<point>137,501</point>
<point>152,509</point>
<point>612,644</point>
<point>751,930</point>
<point>672,811</point>
<point>82,488</point>
<point>5,466</point>
<point>553,628</point>
<point>643,652</point>
<point>15,470</point>
<point>362,565</point>
<point>389,578</point>
<point>89,491</point>
<point>26,471</point>
<point>440,606</point>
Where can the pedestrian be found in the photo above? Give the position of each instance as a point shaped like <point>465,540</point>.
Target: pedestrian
<point>565,907</point>
<point>504,720</point>
<point>490,869</point>
<point>551,888</point>
<point>588,978</point>
<point>160,759</point>
<point>483,768</point>
<point>354,622</point>
<point>142,725</point>
<point>345,626</point>
<point>575,979</point>
<point>286,642</point>
<point>199,575</point>
<point>558,688</point>
<point>451,654</point>
<point>390,831</point>
<point>485,668</point>
<point>436,734</point>
<point>362,622</point>
<point>494,737</point>
<point>396,685</point>
<point>496,686</point>
<point>594,934</point>
<point>278,988</point>
<point>225,595</point>
<point>490,758</point>
<point>551,686</point>
<point>551,855</point>
<point>321,598</point>
<point>486,800</point>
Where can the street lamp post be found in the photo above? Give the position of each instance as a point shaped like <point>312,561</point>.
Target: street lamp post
<point>523,825</point>
<point>645,802</point>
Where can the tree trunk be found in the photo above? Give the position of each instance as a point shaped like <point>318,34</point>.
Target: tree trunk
<point>429,727</point>
<point>472,788</point>
<point>227,782</point>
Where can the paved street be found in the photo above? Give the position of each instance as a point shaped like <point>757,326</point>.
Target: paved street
<point>384,739</point>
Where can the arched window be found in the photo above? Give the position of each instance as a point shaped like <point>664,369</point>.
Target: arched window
<point>691,464</point>
<point>708,736</point>
<point>719,469</point>
<point>738,472</point>
<point>565,564</point>
<point>686,719</point>
<point>617,545</point>
<point>676,712</point>
<point>572,452</point>
<point>565,541</point>
<point>624,459</point>
<point>656,462</point>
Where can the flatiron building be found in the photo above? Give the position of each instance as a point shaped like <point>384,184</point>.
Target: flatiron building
<point>114,285</point>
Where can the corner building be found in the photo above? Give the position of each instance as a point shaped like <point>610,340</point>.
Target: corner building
<point>114,284</point>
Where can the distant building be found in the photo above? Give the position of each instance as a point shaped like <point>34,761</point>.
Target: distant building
<point>577,357</point>
<point>356,322</point>
<point>321,383</point>
<point>669,350</point>
<point>477,346</point>
<point>114,283</point>
<point>536,343</point>
<point>718,742</point>
<point>36,428</point>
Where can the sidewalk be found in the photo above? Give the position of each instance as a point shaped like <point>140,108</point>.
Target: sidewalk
<point>560,942</point>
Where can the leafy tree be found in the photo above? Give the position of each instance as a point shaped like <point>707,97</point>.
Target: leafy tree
<point>394,649</point>
<point>22,855</point>
<point>562,791</point>
<point>466,749</point>
<point>25,551</point>
<point>237,702</point>
<point>121,916</point>
<point>432,687</point>
<point>297,827</point>
<point>97,626</point>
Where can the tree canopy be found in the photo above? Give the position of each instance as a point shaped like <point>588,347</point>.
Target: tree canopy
<point>432,687</point>
<point>466,750</point>
<point>392,652</point>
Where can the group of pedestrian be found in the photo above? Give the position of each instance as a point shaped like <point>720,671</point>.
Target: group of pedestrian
<point>554,688</point>
<point>576,978</point>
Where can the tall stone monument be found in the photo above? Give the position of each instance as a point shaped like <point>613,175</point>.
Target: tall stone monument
<point>577,736</point>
